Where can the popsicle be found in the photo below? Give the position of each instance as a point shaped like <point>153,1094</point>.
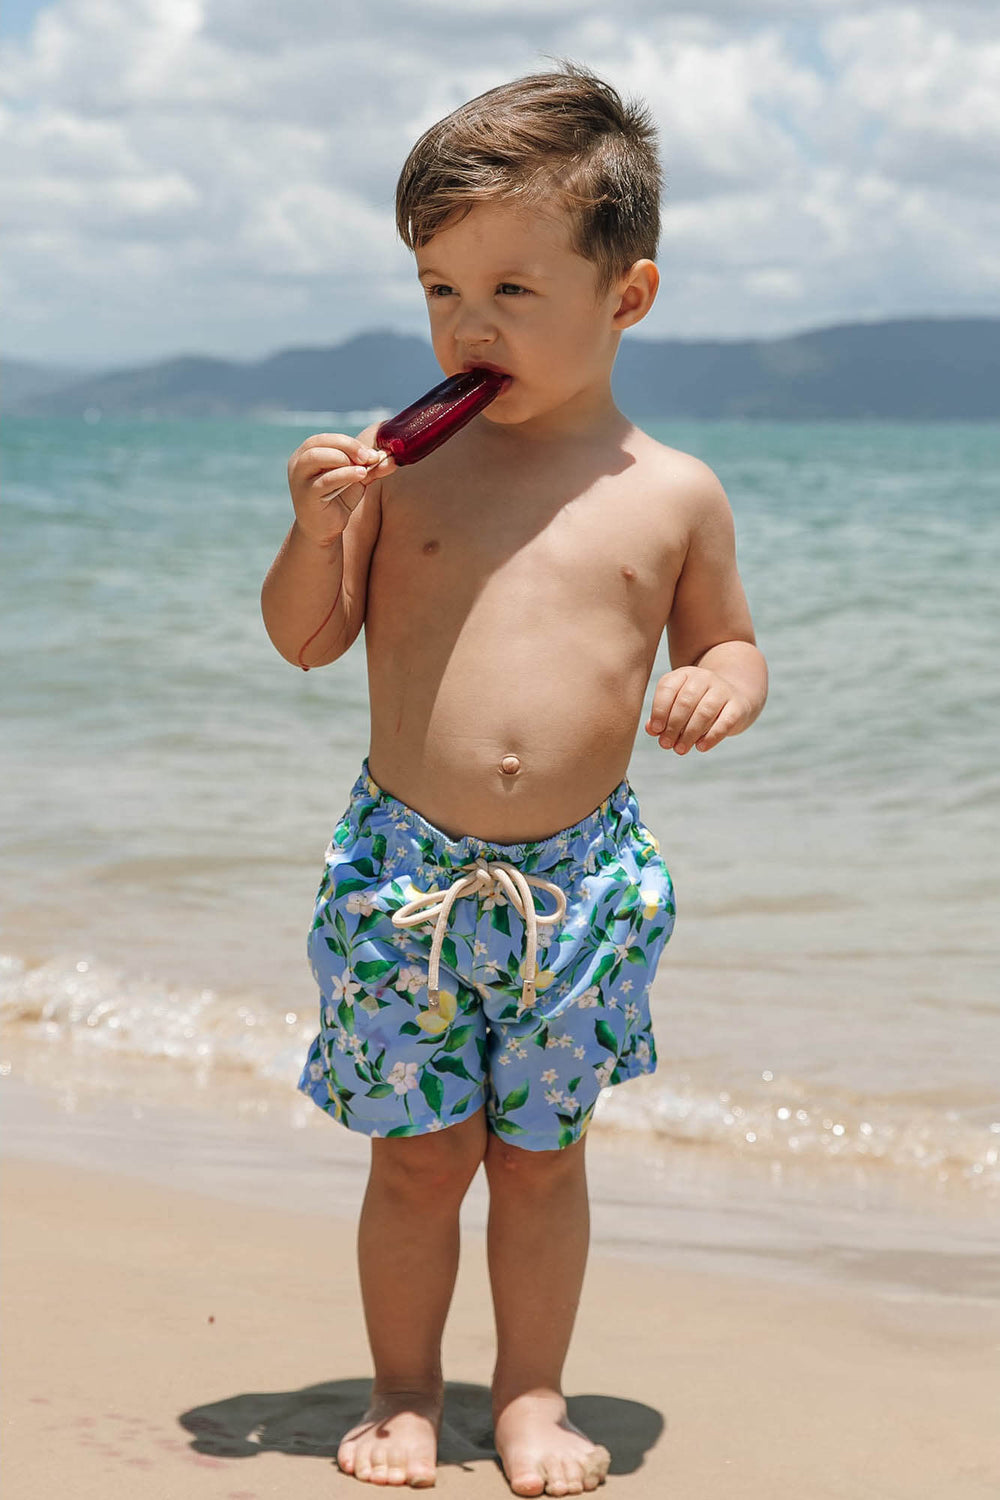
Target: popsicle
<point>437,416</point>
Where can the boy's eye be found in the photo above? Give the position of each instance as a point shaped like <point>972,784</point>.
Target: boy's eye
<point>511,287</point>
<point>438,290</point>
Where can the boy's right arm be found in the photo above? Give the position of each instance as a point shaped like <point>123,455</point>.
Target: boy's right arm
<point>313,599</point>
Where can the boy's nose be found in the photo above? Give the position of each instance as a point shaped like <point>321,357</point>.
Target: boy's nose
<point>474,327</point>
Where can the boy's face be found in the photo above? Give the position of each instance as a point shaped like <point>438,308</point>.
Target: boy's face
<point>506,290</point>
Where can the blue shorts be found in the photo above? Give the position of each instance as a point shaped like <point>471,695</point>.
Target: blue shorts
<point>426,1019</point>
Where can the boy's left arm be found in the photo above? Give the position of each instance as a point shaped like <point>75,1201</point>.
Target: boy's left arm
<point>718,684</point>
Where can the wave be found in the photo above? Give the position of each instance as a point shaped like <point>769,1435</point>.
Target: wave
<point>99,1010</point>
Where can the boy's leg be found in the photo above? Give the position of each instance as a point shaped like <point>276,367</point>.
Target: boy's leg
<point>408,1240</point>
<point>538,1235</point>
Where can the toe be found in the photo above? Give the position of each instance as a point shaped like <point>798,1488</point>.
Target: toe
<point>525,1479</point>
<point>345,1458</point>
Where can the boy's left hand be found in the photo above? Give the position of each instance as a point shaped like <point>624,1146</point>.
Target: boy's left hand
<point>693,706</point>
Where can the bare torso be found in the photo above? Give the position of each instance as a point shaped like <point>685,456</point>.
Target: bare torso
<point>511,627</point>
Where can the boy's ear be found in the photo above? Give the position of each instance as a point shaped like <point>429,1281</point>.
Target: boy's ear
<point>636,293</point>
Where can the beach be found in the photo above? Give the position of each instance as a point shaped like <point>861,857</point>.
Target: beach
<point>181,1340</point>
<point>794,1284</point>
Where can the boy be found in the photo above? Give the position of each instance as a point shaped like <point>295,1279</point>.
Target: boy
<point>493,908</point>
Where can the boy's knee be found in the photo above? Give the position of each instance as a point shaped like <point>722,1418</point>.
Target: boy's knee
<point>510,1163</point>
<point>441,1162</point>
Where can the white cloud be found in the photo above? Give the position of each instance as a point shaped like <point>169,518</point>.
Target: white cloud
<point>219,174</point>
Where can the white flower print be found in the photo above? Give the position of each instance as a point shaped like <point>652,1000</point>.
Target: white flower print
<point>403,1076</point>
<point>329,1017</point>
<point>642,1053</point>
<point>497,898</point>
<point>589,998</point>
<point>552,1041</point>
<point>315,1071</point>
<point>565,1041</point>
<point>604,1072</point>
<point>625,986</point>
<point>504,1059</point>
<point>344,989</point>
<point>436,1125</point>
<point>622,948</point>
<point>579,1052</point>
<point>570,1101</point>
<point>360,903</point>
<point>341,1039</point>
<point>553,1096</point>
<point>549,1076</point>
<point>631,1011</point>
<point>411,978</point>
<point>479,948</point>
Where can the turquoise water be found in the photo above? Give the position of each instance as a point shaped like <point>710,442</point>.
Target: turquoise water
<point>169,785</point>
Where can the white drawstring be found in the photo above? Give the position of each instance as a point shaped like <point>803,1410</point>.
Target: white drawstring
<point>484,879</point>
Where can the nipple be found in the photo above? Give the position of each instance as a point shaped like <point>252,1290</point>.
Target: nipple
<point>510,765</point>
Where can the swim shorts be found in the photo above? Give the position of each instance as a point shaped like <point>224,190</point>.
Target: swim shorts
<point>428,1018</point>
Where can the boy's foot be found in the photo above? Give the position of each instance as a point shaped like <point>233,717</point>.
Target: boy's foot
<point>396,1440</point>
<point>541,1451</point>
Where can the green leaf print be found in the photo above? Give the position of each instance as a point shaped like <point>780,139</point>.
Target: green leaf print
<point>346,1017</point>
<point>405,1130</point>
<point>500,919</point>
<point>457,1037</point>
<point>451,1065</point>
<point>508,1127</point>
<point>379,1091</point>
<point>366,923</point>
<point>364,867</point>
<point>344,887</point>
<point>541,1036</point>
<point>463,1104</point>
<point>635,955</point>
<point>374,968</point>
<point>574,1084</point>
<point>606,1036</point>
<point>567,1137</point>
<point>409,1028</point>
<point>450,953</point>
<point>516,1098</point>
<point>433,1091</point>
<point>605,966</point>
<point>341,926</point>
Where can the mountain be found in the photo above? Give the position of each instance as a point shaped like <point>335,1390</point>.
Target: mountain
<point>909,369</point>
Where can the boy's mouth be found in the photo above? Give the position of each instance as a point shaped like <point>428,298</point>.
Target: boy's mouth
<point>484,364</point>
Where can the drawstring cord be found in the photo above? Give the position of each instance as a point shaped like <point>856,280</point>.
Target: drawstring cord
<point>485,878</point>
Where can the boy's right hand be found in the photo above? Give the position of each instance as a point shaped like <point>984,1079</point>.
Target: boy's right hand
<point>327,475</point>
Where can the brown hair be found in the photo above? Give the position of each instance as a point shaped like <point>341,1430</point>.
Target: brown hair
<point>565,135</point>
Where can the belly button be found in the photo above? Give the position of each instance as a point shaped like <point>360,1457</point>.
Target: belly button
<point>431,546</point>
<point>510,765</point>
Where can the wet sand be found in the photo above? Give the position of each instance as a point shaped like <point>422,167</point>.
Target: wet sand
<point>172,1343</point>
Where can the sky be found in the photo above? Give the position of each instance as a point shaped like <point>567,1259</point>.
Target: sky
<point>217,176</point>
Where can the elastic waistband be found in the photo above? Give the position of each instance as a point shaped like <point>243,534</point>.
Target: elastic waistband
<point>606,825</point>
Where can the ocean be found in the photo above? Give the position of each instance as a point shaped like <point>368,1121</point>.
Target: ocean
<point>828,1011</point>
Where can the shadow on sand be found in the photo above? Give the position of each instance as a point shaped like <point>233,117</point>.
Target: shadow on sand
<point>312,1421</point>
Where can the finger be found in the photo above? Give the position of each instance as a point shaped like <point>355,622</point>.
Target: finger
<point>685,703</point>
<point>724,725</point>
<point>700,721</point>
<point>334,482</point>
<point>312,461</point>
<point>663,700</point>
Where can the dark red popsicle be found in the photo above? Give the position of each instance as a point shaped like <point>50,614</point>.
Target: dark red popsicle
<point>433,419</point>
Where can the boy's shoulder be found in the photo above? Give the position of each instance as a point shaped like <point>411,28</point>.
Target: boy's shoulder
<point>680,479</point>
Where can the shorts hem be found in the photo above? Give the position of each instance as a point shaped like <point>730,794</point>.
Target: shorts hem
<point>390,1129</point>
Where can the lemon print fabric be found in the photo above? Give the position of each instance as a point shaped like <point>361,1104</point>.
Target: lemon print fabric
<point>390,1061</point>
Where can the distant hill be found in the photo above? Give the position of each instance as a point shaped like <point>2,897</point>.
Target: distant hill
<point>910,369</point>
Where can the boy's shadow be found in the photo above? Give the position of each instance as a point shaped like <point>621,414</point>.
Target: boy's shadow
<point>312,1422</point>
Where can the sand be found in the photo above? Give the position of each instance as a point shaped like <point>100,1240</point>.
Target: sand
<point>163,1342</point>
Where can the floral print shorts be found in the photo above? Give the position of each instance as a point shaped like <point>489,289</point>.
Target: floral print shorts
<point>390,1060</point>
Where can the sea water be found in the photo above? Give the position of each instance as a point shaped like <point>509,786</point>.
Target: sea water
<point>830,998</point>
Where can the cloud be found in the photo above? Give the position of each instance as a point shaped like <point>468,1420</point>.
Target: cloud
<point>218,175</point>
